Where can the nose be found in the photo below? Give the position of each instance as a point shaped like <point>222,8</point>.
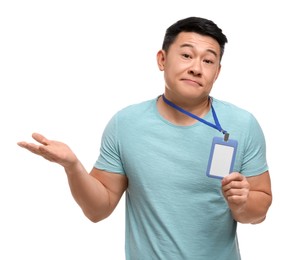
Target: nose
<point>195,69</point>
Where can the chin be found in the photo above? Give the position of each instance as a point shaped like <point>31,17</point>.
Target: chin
<point>193,94</point>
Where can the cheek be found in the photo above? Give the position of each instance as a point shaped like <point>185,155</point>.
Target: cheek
<point>212,77</point>
<point>210,82</point>
<point>170,72</point>
<point>175,64</point>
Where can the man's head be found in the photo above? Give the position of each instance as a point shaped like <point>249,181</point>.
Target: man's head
<point>198,25</point>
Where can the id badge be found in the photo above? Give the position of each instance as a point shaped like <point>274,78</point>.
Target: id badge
<point>222,157</point>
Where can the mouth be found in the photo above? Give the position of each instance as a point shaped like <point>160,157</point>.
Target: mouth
<point>192,82</point>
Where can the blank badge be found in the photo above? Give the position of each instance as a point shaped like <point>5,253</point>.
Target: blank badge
<point>222,157</point>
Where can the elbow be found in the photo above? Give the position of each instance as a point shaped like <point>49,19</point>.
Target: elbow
<point>267,206</point>
<point>96,216</point>
<point>261,219</point>
<point>261,215</point>
<point>94,220</point>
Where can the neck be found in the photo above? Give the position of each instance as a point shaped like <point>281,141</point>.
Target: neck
<point>170,113</point>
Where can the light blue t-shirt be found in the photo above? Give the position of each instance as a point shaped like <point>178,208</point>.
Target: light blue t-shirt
<point>173,210</point>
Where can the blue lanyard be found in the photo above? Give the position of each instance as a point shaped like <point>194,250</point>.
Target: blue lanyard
<point>217,125</point>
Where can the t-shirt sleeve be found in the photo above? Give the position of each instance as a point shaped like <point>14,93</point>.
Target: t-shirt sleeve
<point>254,159</point>
<point>109,157</point>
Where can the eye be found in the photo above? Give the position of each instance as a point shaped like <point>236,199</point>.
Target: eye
<point>208,61</point>
<point>186,56</point>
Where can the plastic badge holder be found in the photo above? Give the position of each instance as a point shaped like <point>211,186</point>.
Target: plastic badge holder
<point>222,157</point>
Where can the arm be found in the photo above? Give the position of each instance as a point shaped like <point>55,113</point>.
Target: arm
<point>96,193</point>
<point>248,198</point>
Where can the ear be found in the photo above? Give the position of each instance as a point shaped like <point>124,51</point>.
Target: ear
<point>161,59</point>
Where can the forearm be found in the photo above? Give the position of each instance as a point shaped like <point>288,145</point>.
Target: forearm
<point>91,195</point>
<point>254,210</point>
<point>88,192</point>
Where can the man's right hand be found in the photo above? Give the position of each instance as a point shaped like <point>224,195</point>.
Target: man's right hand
<point>53,151</point>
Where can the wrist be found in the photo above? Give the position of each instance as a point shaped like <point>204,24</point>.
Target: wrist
<point>73,167</point>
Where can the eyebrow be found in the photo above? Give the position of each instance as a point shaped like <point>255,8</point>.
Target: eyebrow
<point>191,46</point>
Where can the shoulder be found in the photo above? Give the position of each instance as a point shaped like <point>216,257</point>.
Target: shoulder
<point>136,110</point>
<point>238,121</point>
<point>232,111</point>
<point>129,116</point>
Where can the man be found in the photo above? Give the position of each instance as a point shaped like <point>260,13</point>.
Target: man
<point>158,153</point>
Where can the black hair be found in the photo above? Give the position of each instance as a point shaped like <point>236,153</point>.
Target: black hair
<point>198,25</point>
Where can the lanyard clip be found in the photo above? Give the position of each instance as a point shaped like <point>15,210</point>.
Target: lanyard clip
<point>226,136</point>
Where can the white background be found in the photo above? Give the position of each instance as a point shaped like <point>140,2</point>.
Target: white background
<point>67,66</point>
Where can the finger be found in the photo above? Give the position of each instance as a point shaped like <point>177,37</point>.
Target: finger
<point>236,199</point>
<point>40,150</point>
<point>234,184</point>
<point>235,191</point>
<point>30,146</point>
<point>235,176</point>
<point>21,144</point>
<point>40,138</point>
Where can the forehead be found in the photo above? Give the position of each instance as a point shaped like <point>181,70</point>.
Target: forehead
<point>196,41</point>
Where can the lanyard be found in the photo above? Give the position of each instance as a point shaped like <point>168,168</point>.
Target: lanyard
<point>217,125</point>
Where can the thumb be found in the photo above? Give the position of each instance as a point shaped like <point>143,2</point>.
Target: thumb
<point>40,138</point>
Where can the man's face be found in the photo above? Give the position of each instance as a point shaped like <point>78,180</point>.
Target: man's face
<point>191,66</point>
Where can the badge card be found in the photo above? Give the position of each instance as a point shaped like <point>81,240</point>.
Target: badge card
<point>222,157</point>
